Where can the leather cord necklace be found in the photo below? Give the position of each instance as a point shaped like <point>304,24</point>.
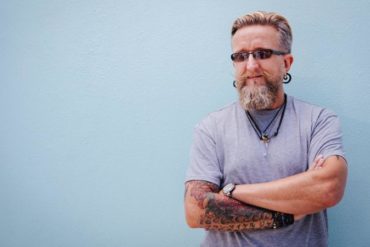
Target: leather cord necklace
<point>263,136</point>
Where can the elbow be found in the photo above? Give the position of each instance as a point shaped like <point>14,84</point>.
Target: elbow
<point>333,195</point>
<point>333,198</point>
<point>191,222</point>
<point>192,216</point>
<point>334,186</point>
<point>196,201</point>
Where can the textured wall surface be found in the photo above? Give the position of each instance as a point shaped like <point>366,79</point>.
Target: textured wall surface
<point>98,100</point>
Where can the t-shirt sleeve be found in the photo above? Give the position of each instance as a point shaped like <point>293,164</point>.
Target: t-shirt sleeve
<point>204,164</point>
<point>326,138</point>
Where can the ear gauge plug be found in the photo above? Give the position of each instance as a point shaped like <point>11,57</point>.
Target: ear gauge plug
<point>287,78</point>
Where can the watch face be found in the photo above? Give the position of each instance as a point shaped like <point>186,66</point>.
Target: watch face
<point>228,188</point>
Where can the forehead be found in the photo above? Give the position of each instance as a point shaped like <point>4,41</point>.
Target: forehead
<point>252,37</point>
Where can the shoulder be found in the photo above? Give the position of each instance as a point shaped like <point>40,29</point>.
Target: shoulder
<point>307,110</point>
<point>315,118</point>
<point>220,117</point>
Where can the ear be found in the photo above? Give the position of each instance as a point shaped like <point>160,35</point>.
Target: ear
<point>288,61</point>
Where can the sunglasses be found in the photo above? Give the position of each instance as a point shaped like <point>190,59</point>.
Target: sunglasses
<point>257,54</point>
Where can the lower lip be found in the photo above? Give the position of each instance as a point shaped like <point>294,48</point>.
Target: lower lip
<point>254,77</point>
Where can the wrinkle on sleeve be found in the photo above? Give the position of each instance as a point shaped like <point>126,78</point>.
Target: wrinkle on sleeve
<point>326,138</point>
<point>204,164</point>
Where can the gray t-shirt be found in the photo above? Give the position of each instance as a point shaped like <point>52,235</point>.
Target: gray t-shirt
<point>226,150</point>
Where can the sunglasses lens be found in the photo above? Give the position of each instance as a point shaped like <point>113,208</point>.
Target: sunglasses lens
<point>257,54</point>
<point>238,57</point>
<point>262,54</point>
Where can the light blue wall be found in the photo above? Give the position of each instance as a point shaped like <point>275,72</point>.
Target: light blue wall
<point>98,100</point>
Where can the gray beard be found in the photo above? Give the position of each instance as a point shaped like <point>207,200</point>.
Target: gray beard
<point>260,97</point>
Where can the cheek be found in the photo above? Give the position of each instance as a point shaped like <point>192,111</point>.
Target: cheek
<point>281,68</point>
<point>274,70</point>
<point>280,72</point>
<point>239,69</point>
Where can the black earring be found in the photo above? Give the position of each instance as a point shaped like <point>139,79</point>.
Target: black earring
<point>287,78</point>
<point>234,84</point>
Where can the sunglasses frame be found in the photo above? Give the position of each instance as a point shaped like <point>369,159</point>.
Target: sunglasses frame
<point>245,54</point>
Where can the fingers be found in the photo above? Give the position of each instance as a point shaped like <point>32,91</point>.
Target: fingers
<point>298,217</point>
<point>317,163</point>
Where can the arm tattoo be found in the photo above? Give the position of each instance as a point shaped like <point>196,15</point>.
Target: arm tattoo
<point>226,214</point>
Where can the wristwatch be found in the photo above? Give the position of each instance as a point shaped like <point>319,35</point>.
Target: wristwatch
<point>281,220</point>
<point>228,189</point>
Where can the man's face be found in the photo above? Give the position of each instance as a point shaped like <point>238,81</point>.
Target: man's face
<point>259,81</point>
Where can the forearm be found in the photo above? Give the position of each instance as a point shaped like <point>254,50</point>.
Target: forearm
<point>290,195</point>
<point>205,208</point>
<point>304,193</point>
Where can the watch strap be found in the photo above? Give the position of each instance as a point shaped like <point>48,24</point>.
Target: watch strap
<point>281,220</point>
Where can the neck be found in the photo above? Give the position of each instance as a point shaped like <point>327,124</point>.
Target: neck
<point>263,135</point>
<point>278,102</point>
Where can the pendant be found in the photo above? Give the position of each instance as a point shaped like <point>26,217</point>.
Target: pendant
<point>265,138</point>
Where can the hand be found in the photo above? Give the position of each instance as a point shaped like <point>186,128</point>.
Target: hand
<point>299,217</point>
<point>317,163</point>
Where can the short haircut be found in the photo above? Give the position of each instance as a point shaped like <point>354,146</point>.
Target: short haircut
<point>279,22</point>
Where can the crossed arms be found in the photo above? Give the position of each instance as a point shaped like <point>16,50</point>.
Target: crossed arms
<point>206,208</point>
<point>252,205</point>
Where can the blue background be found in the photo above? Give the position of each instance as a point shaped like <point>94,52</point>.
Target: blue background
<point>98,100</point>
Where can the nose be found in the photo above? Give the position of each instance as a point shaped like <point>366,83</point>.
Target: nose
<point>251,63</point>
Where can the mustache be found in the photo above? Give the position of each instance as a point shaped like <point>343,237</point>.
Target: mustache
<point>241,80</point>
<point>248,76</point>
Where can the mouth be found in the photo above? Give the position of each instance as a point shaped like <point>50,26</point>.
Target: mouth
<point>250,80</point>
<point>253,77</point>
<point>254,80</point>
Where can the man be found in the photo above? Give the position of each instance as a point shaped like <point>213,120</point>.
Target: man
<point>264,169</point>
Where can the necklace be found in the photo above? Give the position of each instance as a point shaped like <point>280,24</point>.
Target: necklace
<point>263,136</point>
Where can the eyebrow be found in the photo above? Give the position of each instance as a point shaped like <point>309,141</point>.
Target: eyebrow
<point>258,48</point>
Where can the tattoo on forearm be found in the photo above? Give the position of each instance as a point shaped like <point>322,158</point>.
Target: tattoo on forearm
<point>200,190</point>
<point>226,214</point>
<point>230,215</point>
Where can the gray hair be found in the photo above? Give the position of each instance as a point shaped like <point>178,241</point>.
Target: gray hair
<point>275,20</point>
